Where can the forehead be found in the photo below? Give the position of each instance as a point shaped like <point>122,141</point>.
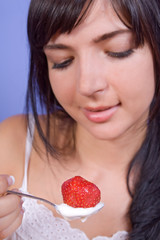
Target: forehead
<point>100,18</point>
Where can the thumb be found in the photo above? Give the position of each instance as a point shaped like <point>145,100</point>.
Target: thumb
<point>5,182</point>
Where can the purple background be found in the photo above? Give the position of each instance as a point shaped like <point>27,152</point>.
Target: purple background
<point>14,56</point>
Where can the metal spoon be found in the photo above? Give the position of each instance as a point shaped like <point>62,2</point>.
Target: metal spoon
<point>67,212</point>
<point>31,196</point>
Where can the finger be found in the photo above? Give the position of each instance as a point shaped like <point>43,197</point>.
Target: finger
<point>5,182</point>
<point>7,220</point>
<point>12,227</point>
<point>9,203</point>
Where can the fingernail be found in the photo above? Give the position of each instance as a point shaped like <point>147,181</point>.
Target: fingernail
<point>11,180</point>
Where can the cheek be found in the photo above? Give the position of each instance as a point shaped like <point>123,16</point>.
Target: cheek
<point>62,87</point>
<point>136,82</point>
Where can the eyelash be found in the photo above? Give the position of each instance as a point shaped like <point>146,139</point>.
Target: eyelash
<point>63,65</point>
<point>118,55</point>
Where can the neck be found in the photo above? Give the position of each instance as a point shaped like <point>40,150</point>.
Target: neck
<point>109,154</point>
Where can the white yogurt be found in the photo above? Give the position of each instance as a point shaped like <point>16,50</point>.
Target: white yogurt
<point>70,213</point>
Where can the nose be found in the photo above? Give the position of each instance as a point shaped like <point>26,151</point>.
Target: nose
<point>92,77</point>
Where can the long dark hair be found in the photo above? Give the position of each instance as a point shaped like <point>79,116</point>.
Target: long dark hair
<point>48,17</point>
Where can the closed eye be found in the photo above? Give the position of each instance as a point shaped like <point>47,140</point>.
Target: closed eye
<point>63,64</point>
<point>120,54</point>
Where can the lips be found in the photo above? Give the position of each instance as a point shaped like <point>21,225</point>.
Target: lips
<point>97,109</point>
<point>100,114</point>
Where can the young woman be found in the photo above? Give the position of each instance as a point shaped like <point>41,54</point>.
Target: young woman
<point>94,70</point>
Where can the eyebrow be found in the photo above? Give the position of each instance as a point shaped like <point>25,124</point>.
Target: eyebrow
<point>52,46</point>
<point>99,39</point>
<point>110,35</point>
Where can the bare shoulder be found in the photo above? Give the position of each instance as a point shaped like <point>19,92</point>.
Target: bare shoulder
<point>12,145</point>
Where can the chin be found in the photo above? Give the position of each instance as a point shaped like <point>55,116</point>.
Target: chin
<point>106,134</point>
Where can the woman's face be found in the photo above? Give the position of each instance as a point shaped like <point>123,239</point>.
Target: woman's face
<point>98,75</point>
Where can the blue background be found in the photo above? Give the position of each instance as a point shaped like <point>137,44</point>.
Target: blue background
<point>14,56</point>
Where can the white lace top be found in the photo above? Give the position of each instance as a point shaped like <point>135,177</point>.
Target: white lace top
<point>39,222</point>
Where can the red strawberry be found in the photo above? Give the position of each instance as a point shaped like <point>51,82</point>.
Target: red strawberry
<point>78,192</point>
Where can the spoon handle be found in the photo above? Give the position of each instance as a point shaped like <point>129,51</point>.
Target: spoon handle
<point>30,196</point>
